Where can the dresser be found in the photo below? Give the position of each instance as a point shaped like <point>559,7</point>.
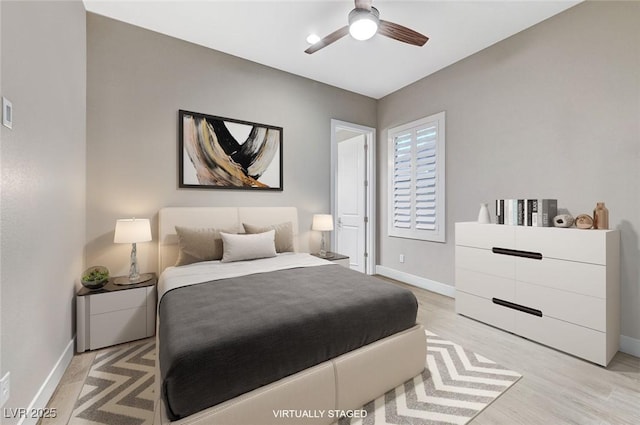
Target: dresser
<point>115,314</point>
<point>559,287</point>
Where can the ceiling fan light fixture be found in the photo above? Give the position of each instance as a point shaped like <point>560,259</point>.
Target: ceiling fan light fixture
<point>313,38</point>
<point>363,24</point>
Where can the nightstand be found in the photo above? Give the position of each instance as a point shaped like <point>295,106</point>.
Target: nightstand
<point>115,314</point>
<point>343,260</point>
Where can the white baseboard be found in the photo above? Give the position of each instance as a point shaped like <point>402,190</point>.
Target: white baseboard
<point>50,384</point>
<point>630,345</point>
<point>420,282</point>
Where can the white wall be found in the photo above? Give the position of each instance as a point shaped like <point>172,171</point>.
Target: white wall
<point>43,189</point>
<point>1,143</point>
<point>552,112</point>
<point>137,82</point>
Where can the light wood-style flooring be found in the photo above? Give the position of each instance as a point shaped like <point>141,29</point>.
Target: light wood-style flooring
<point>556,388</point>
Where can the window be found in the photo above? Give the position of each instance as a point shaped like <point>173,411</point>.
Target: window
<point>416,180</point>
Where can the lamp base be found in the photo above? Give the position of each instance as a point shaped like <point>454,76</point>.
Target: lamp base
<point>124,280</point>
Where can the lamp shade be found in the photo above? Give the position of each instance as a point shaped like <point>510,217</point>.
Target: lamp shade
<point>132,230</point>
<point>322,222</point>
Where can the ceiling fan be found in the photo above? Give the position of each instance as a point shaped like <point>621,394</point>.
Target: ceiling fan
<point>364,23</point>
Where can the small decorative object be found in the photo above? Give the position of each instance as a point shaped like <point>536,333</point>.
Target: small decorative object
<point>322,223</point>
<point>600,216</point>
<point>563,220</point>
<point>132,230</point>
<point>483,215</point>
<point>225,153</point>
<point>95,277</point>
<point>584,221</point>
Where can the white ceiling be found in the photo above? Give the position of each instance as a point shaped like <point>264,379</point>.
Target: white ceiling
<point>273,33</point>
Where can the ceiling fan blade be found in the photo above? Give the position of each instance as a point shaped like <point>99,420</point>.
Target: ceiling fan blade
<point>400,33</point>
<point>363,4</point>
<point>331,38</point>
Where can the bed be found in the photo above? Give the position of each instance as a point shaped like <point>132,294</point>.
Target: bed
<point>301,369</point>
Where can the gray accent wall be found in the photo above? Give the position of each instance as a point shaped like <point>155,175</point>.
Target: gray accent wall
<point>551,112</point>
<point>43,190</point>
<point>1,144</point>
<point>137,82</point>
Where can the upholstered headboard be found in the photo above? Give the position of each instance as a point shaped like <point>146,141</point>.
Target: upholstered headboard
<point>228,218</point>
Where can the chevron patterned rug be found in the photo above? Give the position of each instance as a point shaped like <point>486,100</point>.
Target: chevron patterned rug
<point>119,387</point>
<point>456,385</point>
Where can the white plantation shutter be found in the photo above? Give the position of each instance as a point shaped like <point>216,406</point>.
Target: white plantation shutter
<point>402,180</point>
<point>416,183</point>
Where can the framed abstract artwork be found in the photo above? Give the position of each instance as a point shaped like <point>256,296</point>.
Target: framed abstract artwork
<point>225,153</point>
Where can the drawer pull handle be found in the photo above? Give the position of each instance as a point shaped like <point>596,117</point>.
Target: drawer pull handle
<point>517,253</point>
<point>517,307</point>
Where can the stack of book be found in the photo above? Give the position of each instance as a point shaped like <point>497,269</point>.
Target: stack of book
<point>526,212</point>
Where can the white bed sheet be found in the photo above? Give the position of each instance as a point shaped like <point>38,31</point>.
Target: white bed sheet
<point>176,277</point>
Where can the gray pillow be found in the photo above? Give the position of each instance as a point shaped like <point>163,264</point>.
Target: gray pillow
<point>284,234</point>
<point>198,244</point>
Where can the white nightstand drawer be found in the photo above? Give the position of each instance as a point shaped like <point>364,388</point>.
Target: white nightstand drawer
<point>117,327</point>
<point>119,300</point>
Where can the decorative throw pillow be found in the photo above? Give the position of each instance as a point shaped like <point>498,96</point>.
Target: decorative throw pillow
<point>284,234</point>
<point>198,244</point>
<point>248,247</point>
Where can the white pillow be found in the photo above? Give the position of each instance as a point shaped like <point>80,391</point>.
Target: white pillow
<point>248,247</point>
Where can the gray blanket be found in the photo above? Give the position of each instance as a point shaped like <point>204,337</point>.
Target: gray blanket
<point>224,338</point>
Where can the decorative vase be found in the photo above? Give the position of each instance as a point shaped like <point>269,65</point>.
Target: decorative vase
<point>600,216</point>
<point>584,221</point>
<point>483,215</point>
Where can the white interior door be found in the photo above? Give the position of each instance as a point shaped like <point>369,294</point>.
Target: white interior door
<point>351,202</point>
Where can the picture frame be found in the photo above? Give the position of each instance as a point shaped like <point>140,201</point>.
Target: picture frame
<point>226,153</point>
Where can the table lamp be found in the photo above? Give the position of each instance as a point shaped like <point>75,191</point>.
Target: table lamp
<point>322,223</point>
<point>132,230</point>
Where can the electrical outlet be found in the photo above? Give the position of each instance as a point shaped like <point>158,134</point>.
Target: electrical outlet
<point>4,389</point>
<point>7,113</point>
<point>402,258</point>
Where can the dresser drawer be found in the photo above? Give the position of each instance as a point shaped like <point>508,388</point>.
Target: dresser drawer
<point>577,340</point>
<point>485,311</point>
<point>485,285</point>
<point>588,246</point>
<point>581,278</point>
<point>570,307</point>
<point>485,236</point>
<point>118,300</point>
<point>484,261</point>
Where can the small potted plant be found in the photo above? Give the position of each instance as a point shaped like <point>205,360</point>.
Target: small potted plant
<point>95,277</point>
